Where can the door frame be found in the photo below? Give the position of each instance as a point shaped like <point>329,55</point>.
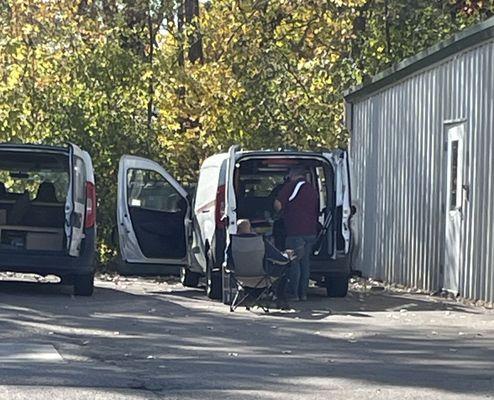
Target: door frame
<point>447,126</point>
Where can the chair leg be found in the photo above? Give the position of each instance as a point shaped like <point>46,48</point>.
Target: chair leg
<point>233,305</point>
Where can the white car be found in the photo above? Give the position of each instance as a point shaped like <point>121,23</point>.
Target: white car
<point>160,225</point>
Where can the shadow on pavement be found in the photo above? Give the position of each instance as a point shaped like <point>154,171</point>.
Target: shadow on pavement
<point>175,339</point>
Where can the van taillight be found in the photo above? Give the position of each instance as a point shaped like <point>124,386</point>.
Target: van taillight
<point>90,205</point>
<point>220,207</point>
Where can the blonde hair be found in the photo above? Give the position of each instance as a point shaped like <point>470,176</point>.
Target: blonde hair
<point>244,226</point>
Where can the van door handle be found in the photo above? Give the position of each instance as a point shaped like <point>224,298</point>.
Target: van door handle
<point>205,211</point>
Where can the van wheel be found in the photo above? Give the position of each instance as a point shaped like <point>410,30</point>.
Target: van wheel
<point>84,285</point>
<point>336,286</point>
<point>213,282</point>
<point>189,278</point>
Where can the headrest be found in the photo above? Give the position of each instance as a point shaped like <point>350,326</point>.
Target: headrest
<point>47,193</point>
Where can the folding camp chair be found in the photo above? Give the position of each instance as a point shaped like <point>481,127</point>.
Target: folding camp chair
<point>246,266</point>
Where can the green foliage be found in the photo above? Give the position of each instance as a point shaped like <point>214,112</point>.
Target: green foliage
<point>112,76</point>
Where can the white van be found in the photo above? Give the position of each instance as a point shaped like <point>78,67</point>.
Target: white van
<point>159,224</point>
<point>48,213</point>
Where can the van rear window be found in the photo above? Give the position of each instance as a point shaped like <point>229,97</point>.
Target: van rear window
<point>43,178</point>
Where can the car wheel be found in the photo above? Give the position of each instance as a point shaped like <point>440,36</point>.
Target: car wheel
<point>189,278</point>
<point>336,286</point>
<point>213,282</point>
<point>84,285</point>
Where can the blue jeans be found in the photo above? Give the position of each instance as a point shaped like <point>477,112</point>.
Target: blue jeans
<point>300,268</point>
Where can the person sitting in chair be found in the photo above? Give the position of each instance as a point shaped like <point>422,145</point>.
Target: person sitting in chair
<point>273,260</point>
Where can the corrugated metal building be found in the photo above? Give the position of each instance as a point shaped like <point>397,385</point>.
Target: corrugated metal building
<point>422,149</point>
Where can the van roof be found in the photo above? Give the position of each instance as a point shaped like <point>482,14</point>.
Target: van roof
<point>33,147</point>
<point>217,159</point>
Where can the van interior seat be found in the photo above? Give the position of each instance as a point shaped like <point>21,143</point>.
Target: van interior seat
<point>46,193</point>
<point>19,210</point>
<point>44,211</point>
<point>3,190</point>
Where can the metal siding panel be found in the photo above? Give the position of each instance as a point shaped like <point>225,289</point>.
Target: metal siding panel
<point>398,154</point>
<point>489,71</point>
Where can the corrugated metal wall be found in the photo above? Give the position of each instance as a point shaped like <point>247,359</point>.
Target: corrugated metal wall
<point>398,167</point>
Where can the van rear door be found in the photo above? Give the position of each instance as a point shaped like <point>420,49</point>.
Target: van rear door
<point>153,214</point>
<point>340,162</point>
<point>230,198</point>
<point>75,204</point>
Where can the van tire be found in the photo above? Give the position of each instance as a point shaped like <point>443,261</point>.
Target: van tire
<point>189,278</point>
<point>84,285</point>
<point>213,282</point>
<point>336,286</point>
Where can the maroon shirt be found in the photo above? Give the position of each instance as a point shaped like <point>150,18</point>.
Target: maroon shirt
<point>301,213</point>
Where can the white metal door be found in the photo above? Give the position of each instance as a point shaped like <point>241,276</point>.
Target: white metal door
<point>150,209</point>
<point>453,207</point>
<point>339,161</point>
<point>230,198</point>
<point>75,205</point>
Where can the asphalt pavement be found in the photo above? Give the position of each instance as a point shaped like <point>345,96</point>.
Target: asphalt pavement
<point>151,338</point>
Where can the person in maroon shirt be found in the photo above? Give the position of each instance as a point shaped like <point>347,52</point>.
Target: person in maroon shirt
<point>298,203</point>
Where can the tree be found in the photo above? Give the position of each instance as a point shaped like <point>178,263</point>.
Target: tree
<point>179,80</point>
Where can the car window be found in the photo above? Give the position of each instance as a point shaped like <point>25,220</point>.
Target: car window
<point>79,181</point>
<point>18,182</point>
<point>260,185</point>
<point>149,190</point>
<point>207,186</point>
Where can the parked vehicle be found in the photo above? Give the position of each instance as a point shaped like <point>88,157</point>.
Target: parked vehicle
<point>159,224</point>
<point>48,213</point>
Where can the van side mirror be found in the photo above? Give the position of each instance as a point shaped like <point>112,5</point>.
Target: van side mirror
<point>353,210</point>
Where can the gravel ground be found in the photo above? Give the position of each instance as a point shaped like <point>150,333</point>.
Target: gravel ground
<point>142,338</point>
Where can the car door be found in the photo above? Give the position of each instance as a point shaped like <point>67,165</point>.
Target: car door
<point>340,162</point>
<point>153,214</point>
<point>75,205</point>
<point>230,198</point>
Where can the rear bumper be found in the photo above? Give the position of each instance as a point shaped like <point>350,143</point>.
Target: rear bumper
<point>47,263</point>
<point>340,266</point>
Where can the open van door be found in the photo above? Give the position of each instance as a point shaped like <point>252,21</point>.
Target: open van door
<point>152,214</point>
<point>75,204</point>
<point>339,161</point>
<point>230,198</point>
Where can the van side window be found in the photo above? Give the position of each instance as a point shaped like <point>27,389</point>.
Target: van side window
<point>79,181</point>
<point>149,190</point>
<point>322,187</point>
<point>207,186</point>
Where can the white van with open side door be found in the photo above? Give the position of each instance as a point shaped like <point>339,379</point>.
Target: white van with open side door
<point>243,185</point>
<point>48,213</point>
<point>159,224</point>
